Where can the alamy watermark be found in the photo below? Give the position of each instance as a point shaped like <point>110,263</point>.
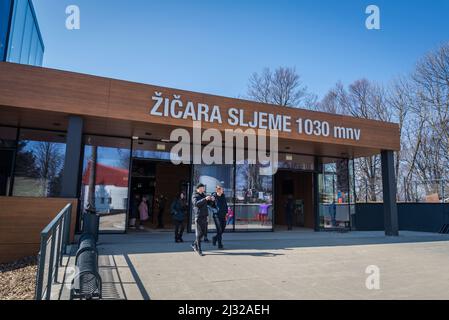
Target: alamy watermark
<point>373,280</point>
<point>373,20</point>
<point>220,150</point>
<point>73,20</point>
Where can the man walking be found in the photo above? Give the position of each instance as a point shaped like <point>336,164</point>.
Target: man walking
<point>199,204</point>
<point>220,216</point>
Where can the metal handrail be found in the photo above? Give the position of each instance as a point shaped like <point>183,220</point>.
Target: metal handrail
<point>57,235</point>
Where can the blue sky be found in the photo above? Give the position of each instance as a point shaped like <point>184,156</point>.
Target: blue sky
<point>213,46</point>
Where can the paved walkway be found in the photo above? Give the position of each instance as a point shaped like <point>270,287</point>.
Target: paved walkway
<point>276,265</point>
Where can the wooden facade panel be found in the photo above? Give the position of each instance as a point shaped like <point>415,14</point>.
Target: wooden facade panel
<point>52,90</point>
<point>23,219</point>
<point>13,252</point>
<point>122,108</point>
<point>134,101</point>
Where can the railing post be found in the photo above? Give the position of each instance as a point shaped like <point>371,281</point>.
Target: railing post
<point>40,271</point>
<point>67,225</point>
<point>50,267</point>
<point>58,232</point>
<point>58,263</point>
<point>443,182</point>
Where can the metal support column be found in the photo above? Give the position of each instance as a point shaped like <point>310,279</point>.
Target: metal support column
<point>389,194</point>
<point>72,158</point>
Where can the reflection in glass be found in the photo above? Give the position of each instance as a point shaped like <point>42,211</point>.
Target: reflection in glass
<point>296,162</point>
<point>39,164</point>
<point>105,180</point>
<point>334,194</point>
<point>5,9</point>
<point>253,198</point>
<point>25,43</point>
<point>146,149</point>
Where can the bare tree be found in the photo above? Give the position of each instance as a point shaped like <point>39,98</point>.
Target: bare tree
<point>331,101</point>
<point>282,87</point>
<point>431,79</point>
<point>362,99</point>
<point>49,161</point>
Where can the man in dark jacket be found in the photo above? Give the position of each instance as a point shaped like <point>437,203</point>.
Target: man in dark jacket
<point>200,211</point>
<point>178,211</point>
<point>220,215</point>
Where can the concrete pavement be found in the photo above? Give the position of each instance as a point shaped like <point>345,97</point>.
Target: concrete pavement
<point>276,265</point>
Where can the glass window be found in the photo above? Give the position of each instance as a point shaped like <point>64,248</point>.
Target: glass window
<point>253,198</point>
<point>334,194</point>
<point>211,176</point>
<point>27,37</point>
<point>25,45</point>
<point>5,10</point>
<point>7,146</point>
<point>39,54</point>
<point>352,196</point>
<point>39,163</point>
<point>33,48</point>
<point>105,180</point>
<point>296,162</point>
<point>8,137</point>
<point>17,27</point>
<point>156,150</point>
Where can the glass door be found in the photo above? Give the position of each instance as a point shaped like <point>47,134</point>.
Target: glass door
<point>334,194</point>
<point>105,180</point>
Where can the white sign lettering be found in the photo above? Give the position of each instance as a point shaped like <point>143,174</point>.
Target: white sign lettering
<point>187,110</point>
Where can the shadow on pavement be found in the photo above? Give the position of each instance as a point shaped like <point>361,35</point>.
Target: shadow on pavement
<point>256,244</point>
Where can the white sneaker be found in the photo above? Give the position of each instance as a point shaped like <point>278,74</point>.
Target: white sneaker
<point>141,228</point>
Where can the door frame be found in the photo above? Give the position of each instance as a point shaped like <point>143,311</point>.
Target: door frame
<point>314,173</point>
<point>156,161</point>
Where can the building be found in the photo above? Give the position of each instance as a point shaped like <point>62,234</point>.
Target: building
<point>111,188</point>
<point>54,125</point>
<point>20,36</point>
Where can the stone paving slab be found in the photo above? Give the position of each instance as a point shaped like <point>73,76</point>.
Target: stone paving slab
<point>278,265</point>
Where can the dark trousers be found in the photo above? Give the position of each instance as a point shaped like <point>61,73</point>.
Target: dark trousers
<point>160,216</point>
<point>289,218</point>
<point>206,231</point>
<point>179,229</point>
<point>220,225</point>
<point>200,229</point>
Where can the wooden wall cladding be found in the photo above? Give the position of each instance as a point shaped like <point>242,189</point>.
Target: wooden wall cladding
<point>23,219</point>
<point>123,104</point>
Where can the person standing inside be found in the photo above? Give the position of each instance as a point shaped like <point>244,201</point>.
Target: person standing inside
<point>220,215</point>
<point>160,216</point>
<point>179,211</point>
<point>143,212</point>
<point>289,210</point>
<point>200,203</point>
<point>134,212</point>
<point>263,213</point>
<point>230,217</point>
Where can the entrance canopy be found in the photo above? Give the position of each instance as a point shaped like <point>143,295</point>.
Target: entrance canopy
<point>43,98</point>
